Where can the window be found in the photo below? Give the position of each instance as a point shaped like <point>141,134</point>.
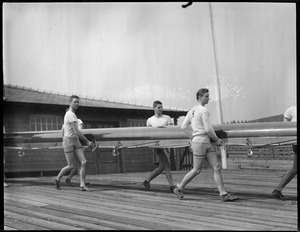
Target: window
<point>136,122</point>
<point>100,124</point>
<point>40,122</point>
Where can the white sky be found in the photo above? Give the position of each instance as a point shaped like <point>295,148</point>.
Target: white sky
<point>141,52</point>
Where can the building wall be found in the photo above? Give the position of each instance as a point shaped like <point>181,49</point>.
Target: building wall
<point>16,116</point>
<point>139,160</point>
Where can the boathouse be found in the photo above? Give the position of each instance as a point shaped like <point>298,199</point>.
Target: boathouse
<point>26,109</point>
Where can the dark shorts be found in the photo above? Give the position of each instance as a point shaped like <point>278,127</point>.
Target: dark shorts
<point>70,144</point>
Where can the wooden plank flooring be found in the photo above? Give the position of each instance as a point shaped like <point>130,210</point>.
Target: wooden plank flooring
<point>120,202</point>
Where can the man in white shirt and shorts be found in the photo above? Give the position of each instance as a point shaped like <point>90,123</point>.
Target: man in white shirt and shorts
<point>160,120</point>
<point>198,118</point>
<point>72,145</point>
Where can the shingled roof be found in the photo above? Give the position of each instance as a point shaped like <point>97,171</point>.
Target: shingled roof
<point>28,95</point>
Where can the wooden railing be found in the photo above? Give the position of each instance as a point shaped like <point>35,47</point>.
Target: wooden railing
<point>237,155</point>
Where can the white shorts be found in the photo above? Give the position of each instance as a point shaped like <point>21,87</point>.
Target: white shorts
<point>200,150</point>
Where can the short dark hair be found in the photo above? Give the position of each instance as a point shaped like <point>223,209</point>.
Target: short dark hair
<point>72,97</point>
<point>201,92</point>
<point>155,103</point>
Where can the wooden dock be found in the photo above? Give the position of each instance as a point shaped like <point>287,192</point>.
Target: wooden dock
<point>120,202</point>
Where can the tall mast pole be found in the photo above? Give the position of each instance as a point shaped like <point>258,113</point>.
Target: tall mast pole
<point>218,92</point>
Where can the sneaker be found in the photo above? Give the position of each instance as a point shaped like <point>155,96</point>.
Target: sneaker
<point>68,181</point>
<point>56,183</point>
<point>172,188</point>
<point>227,197</point>
<point>146,184</point>
<point>278,195</point>
<point>83,188</point>
<point>178,193</point>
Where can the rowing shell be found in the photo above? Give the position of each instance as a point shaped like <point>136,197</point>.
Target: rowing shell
<point>130,137</point>
<point>223,131</point>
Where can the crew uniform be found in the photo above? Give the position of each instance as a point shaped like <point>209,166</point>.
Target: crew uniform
<point>163,120</point>
<point>201,144</point>
<point>70,140</point>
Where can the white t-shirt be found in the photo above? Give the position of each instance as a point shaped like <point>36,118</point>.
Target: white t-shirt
<point>194,117</point>
<point>79,122</point>
<point>68,119</point>
<point>291,113</point>
<point>163,120</point>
